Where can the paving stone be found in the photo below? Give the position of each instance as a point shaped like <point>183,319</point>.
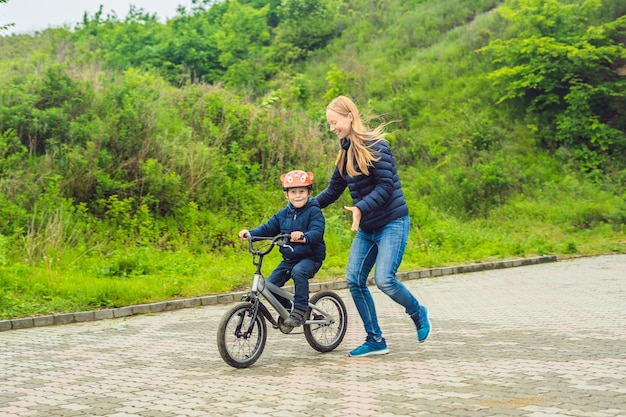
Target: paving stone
<point>543,339</point>
<point>142,309</point>
<point>122,312</point>
<point>191,302</point>
<point>103,314</point>
<point>225,298</point>
<point>22,323</point>
<point>64,318</point>
<point>43,321</point>
<point>208,300</point>
<point>84,316</point>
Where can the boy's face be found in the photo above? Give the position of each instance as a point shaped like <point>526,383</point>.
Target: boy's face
<point>298,196</point>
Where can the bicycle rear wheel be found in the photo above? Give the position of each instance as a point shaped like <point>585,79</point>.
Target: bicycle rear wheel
<point>326,337</point>
<point>236,347</point>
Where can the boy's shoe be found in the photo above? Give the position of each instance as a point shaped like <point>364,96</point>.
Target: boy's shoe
<point>282,326</point>
<point>296,317</point>
<point>370,347</point>
<point>422,324</point>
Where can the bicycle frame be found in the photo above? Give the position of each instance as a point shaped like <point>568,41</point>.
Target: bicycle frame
<point>267,290</point>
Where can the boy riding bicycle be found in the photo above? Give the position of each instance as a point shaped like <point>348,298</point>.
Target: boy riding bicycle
<point>302,218</point>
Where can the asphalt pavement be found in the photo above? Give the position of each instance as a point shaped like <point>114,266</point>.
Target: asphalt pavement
<point>540,340</point>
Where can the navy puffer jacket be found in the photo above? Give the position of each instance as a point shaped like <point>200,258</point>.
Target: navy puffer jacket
<point>307,219</point>
<point>378,195</point>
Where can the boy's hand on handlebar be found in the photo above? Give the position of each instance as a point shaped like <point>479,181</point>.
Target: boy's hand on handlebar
<point>243,234</point>
<point>297,237</point>
<point>356,217</point>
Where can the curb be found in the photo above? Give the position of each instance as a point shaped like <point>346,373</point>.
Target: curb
<point>113,313</point>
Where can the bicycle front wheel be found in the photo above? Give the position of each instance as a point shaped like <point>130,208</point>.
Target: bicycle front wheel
<point>240,339</point>
<point>325,337</point>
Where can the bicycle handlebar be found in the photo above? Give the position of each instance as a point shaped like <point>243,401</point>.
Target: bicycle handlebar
<point>279,240</point>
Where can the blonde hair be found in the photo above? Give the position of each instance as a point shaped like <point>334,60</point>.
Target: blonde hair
<point>362,139</point>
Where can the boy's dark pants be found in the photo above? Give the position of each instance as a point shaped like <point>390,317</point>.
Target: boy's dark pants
<point>300,271</point>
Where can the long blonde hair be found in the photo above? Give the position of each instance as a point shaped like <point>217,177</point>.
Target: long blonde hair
<point>362,139</point>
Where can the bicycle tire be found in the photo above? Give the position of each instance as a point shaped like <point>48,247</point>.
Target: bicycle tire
<point>326,337</point>
<point>235,349</point>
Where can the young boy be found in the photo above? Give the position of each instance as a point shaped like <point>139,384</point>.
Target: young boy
<point>304,221</point>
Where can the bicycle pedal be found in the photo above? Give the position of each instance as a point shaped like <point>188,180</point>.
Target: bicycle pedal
<point>285,329</point>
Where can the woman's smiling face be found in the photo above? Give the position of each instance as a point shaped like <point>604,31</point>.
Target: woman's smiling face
<point>339,125</point>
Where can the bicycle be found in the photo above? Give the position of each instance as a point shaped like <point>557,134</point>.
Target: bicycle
<point>242,331</point>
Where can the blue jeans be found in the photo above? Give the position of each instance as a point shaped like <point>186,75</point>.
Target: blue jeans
<point>300,271</point>
<point>385,248</point>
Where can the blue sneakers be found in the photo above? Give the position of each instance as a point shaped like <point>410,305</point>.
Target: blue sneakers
<point>370,347</point>
<point>422,324</point>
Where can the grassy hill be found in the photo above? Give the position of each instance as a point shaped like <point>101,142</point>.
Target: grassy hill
<point>131,152</point>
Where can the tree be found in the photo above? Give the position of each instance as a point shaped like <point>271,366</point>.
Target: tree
<point>242,39</point>
<point>562,72</point>
<point>190,51</point>
<point>305,25</point>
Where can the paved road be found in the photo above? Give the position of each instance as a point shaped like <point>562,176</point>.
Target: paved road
<point>534,341</point>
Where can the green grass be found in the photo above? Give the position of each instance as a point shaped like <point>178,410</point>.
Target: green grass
<point>523,228</point>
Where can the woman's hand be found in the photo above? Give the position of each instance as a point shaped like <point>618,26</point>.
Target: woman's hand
<point>243,234</point>
<point>356,217</point>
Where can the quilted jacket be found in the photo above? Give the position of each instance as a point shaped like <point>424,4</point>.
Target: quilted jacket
<point>378,195</point>
<point>308,219</point>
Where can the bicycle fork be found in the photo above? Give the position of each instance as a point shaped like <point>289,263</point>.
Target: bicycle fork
<point>257,306</point>
<point>251,297</point>
<point>253,312</point>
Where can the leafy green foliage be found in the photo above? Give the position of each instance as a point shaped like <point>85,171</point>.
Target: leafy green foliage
<point>189,52</point>
<point>304,26</point>
<point>131,152</point>
<point>563,72</point>
<point>240,42</point>
<point>242,36</point>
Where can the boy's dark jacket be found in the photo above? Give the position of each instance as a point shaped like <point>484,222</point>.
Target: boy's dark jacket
<point>379,195</point>
<point>308,219</point>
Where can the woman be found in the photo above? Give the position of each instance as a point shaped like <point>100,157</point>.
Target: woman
<point>380,217</point>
